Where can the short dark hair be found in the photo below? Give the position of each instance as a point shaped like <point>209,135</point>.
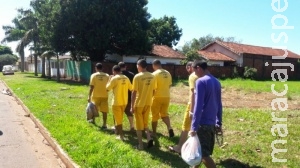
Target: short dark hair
<point>116,68</point>
<point>122,65</point>
<point>142,63</point>
<point>200,63</point>
<point>156,62</point>
<point>99,66</point>
<point>189,64</point>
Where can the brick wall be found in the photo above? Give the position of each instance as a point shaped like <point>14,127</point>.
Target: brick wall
<point>264,72</point>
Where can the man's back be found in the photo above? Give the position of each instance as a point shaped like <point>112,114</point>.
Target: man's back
<point>208,99</point>
<point>99,81</point>
<point>163,83</point>
<point>144,84</point>
<point>120,85</point>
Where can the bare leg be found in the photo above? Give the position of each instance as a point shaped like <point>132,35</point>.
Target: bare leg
<point>119,129</point>
<point>166,120</point>
<point>182,139</point>
<point>104,117</point>
<point>140,140</point>
<point>130,119</point>
<point>154,126</point>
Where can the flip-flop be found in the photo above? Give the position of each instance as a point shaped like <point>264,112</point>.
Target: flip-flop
<point>171,148</point>
<point>150,143</point>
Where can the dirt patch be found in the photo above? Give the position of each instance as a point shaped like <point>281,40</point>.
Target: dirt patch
<point>234,98</point>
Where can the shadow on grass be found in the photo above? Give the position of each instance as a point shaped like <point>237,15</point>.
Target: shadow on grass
<point>232,163</point>
<point>62,80</point>
<point>157,152</point>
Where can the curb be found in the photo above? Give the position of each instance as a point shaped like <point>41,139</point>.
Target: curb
<point>55,146</point>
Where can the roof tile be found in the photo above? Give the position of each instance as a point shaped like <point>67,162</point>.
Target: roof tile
<point>165,51</point>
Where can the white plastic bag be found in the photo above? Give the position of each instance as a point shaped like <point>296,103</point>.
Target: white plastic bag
<point>191,151</point>
<point>91,111</point>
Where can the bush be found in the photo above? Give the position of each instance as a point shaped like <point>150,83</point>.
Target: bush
<point>235,73</point>
<point>250,73</point>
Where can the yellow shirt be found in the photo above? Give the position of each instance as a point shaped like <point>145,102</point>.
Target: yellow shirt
<point>144,85</point>
<point>99,81</point>
<point>120,85</point>
<point>192,81</point>
<point>163,83</point>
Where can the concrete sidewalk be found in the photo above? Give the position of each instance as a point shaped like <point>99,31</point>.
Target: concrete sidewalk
<point>21,142</point>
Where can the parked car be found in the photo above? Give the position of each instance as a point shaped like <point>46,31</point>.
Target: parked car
<point>8,70</point>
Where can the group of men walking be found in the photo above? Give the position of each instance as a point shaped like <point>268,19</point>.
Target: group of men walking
<point>136,95</point>
<point>144,93</point>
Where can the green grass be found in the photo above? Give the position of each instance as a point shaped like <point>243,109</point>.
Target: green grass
<point>61,109</point>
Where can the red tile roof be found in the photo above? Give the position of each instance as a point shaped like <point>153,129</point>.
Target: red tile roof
<point>167,52</point>
<point>250,49</point>
<point>215,56</point>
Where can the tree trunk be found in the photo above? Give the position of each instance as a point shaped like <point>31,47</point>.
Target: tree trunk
<point>49,68</point>
<point>77,67</point>
<point>58,73</point>
<point>43,67</point>
<point>22,60</point>
<point>35,65</point>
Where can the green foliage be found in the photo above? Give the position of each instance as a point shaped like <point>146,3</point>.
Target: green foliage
<point>99,26</point>
<point>8,59</point>
<point>5,50</point>
<point>164,31</point>
<point>190,56</point>
<point>250,73</point>
<point>235,73</point>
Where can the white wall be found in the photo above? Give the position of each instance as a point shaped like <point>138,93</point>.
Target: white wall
<point>219,63</point>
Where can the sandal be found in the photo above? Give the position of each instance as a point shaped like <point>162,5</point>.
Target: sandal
<point>150,143</point>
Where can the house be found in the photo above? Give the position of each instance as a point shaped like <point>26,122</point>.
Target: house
<point>164,53</point>
<point>216,58</point>
<point>257,57</point>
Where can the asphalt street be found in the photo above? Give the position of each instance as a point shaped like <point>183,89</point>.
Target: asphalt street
<point>21,143</point>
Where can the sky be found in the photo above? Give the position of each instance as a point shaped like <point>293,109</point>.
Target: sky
<point>257,22</point>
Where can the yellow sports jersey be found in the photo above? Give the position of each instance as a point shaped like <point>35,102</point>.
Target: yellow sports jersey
<point>163,82</point>
<point>120,85</point>
<point>144,84</point>
<point>99,81</point>
<point>192,80</point>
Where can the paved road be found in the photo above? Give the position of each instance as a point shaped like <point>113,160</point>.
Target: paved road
<point>21,144</point>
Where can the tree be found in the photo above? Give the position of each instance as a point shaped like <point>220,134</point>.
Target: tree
<point>15,33</point>
<point>96,27</point>
<point>8,59</point>
<point>45,12</point>
<point>191,55</point>
<point>5,50</point>
<point>164,31</point>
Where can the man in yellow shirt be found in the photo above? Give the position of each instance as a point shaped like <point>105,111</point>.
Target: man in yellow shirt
<point>141,100</point>
<point>130,76</point>
<point>120,85</point>
<point>161,97</point>
<point>98,93</point>
<point>186,125</point>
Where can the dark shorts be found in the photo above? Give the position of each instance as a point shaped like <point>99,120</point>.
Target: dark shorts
<point>206,134</point>
<point>127,109</point>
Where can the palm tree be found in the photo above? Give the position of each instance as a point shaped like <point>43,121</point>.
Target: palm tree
<point>15,33</point>
<point>31,35</point>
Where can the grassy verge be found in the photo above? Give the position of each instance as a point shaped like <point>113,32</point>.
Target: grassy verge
<point>61,109</point>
